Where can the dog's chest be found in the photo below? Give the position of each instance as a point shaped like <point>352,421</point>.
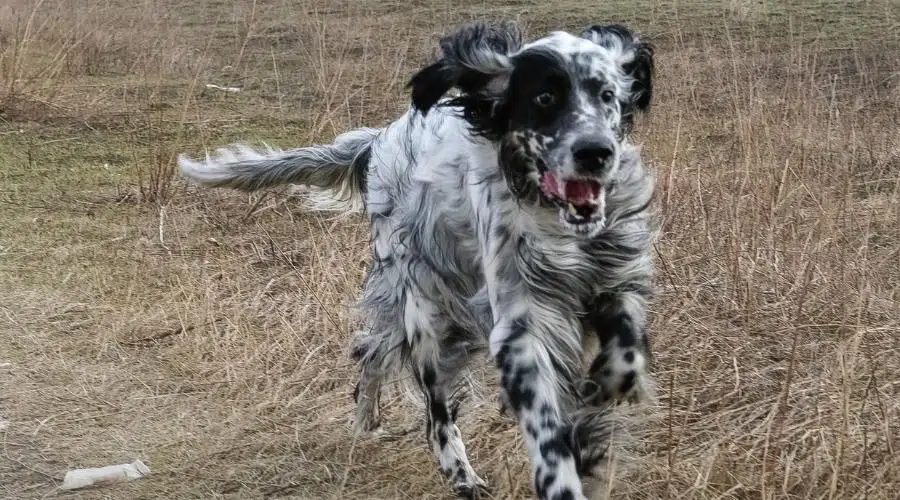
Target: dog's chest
<point>579,270</point>
<point>560,268</point>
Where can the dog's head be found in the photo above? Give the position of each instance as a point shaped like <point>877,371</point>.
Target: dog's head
<point>560,108</point>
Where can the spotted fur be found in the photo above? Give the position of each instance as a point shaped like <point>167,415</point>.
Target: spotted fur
<point>510,218</point>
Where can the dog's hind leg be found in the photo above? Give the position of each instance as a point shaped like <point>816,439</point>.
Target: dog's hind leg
<point>442,432</point>
<point>365,350</point>
<point>438,356</point>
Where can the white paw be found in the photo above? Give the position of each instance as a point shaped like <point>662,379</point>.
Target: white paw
<point>622,377</point>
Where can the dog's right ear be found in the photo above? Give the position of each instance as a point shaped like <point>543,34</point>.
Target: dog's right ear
<point>474,57</point>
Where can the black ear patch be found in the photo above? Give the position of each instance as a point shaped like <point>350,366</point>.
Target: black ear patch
<point>640,65</point>
<point>430,84</point>
<point>641,69</point>
<point>471,57</point>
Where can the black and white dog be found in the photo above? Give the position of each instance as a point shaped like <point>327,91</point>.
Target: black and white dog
<point>512,215</point>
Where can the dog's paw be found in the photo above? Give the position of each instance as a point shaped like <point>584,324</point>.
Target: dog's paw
<point>464,481</point>
<point>619,375</point>
<point>366,429</point>
<point>474,490</point>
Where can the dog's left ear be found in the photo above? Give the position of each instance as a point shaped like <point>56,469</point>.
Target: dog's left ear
<point>474,59</point>
<point>636,59</point>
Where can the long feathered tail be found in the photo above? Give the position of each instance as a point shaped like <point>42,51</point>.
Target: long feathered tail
<point>335,173</point>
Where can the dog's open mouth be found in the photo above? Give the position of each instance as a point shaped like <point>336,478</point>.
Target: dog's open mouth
<point>580,199</point>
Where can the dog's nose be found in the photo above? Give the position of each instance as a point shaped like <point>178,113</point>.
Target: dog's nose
<point>593,155</point>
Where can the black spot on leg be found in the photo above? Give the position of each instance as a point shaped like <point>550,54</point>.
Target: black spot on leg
<point>547,481</point>
<point>555,449</point>
<point>531,430</point>
<point>626,338</point>
<point>627,382</point>
<point>538,484</point>
<point>618,326</point>
<point>438,410</point>
<point>610,322</point>
<point>599,363</point>
<point>460,476</point>
<point>521,397</point>
<point>428,376</point>
<point>629,357</point>
<point>503,361</point>
<point>517,382</point>
<point>438,415</point>
<point>555,446</point>
<point>548,418</point>
<point>546,410</point>
<point>548,424</point>
<point>518,328</point>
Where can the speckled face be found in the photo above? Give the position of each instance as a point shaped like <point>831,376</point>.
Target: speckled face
<point>567,108</point>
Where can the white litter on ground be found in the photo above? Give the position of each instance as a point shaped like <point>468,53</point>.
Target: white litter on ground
<point>80,478</point>
<point>224,89</point>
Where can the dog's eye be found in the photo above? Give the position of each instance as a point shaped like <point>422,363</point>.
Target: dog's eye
<point>545,99</point>
<point>607,96</point>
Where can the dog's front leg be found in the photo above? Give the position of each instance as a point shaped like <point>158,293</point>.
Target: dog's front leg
<point>533,391</point>
<point>530,343</point>
<point>620,370</point>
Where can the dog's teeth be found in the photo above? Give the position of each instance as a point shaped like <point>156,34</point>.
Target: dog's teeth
<point>572,209</point>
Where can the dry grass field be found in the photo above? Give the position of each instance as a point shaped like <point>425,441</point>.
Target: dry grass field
<point>205,332</point>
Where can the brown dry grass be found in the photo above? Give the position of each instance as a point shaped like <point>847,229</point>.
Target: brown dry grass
<point>205,332</point>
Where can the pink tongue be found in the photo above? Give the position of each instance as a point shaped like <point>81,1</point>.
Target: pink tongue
<point>581,192</point>
<point>551,185</point>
